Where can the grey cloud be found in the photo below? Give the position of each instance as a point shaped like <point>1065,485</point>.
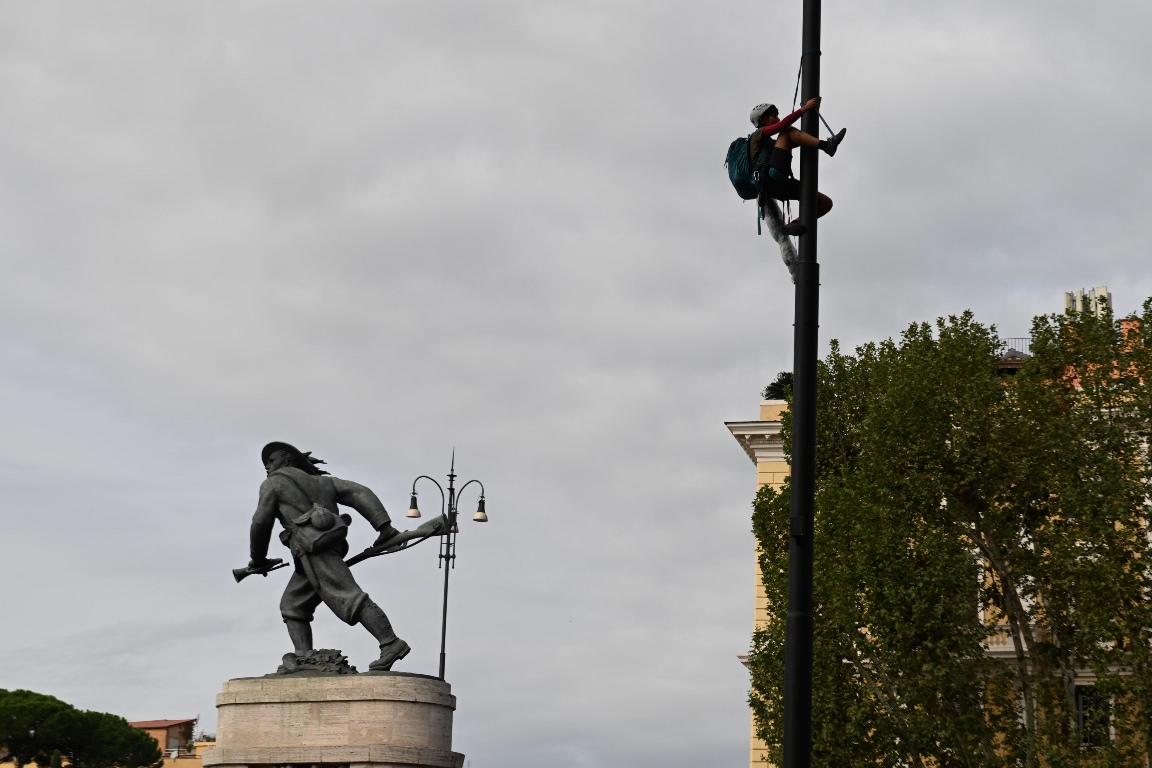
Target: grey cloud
<point>381,231</point>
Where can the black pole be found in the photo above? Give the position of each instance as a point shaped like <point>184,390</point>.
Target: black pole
<point>447,555</point>
<point>798,643</point>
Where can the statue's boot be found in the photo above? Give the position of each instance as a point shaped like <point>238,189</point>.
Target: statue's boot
<point>392,648</point>
<point>300,633</point>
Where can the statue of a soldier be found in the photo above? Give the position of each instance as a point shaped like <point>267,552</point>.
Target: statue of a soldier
<point>303,498</point>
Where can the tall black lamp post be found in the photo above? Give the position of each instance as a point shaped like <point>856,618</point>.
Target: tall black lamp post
<point>797,741</point>
<point>448,539</point>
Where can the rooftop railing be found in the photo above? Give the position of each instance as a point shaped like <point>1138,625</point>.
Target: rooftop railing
<point>1018,343</point>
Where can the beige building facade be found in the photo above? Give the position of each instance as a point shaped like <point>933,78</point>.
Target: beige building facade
<point>761,440</point>
<point>173,736</point>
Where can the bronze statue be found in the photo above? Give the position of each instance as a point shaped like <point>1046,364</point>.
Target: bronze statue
<point>303,498</point>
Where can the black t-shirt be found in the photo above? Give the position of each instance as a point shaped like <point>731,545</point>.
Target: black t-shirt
<point>781,160</point>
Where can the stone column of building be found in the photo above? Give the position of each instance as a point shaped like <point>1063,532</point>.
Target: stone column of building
<point>762,442</point>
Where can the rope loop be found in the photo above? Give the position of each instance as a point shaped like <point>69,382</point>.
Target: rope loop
<point>796,93</point>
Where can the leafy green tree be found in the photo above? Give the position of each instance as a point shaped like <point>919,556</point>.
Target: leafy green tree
<point>24,718</point>
<point>43,729</point>
<point>954,502</point>
<point>100,740</point>
<point>780,388</point>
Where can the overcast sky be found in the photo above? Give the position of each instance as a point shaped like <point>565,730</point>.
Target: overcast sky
<point>381,230</point>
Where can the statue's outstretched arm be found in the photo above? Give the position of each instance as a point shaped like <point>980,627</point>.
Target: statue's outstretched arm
<point>363,500</point>
<point>262,522</point>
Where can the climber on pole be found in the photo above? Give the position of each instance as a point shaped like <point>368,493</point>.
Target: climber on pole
<point>773,167</point>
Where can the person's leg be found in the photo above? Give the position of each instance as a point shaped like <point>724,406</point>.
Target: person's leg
<point>771,190</point>
<point>823,204</point>
<point>392,648</point>
<point>297,607</point>
<point>776,228</point>
<point>790,138</point>
<point>337,586</point>
<point>341,593</point>
<point>790,190</point>
<point>300,632</point>
<point>782,190</point>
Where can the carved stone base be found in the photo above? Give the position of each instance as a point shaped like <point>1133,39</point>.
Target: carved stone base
<point>373,720</point>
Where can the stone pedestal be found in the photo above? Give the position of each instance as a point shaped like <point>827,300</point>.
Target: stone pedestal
<point>375,720</point>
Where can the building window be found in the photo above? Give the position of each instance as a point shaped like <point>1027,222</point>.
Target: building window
<point>1094,714</point>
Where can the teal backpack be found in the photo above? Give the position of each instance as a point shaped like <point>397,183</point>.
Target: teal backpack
<point>741,169</point>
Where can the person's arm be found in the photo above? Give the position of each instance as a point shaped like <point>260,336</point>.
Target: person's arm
<point>364,501</point>
<point>782,124</point>
<point>787,121</point>
<point>261,531</point>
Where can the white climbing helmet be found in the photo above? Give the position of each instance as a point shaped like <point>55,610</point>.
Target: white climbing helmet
<point>759,111</point>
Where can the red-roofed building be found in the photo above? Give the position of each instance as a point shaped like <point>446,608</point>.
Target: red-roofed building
<point>174,736</point>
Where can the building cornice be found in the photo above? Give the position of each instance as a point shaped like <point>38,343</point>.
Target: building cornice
<point>761,440</point>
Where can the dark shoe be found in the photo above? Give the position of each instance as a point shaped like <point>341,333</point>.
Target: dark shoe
<point>390,653</point>
<point>794,228</point>
<point>831,144</point>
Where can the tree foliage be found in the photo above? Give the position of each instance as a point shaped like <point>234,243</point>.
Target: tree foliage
<point>780,388</point>
<point>955,504</point>
<point>26,719</point>
<point>43,729</point>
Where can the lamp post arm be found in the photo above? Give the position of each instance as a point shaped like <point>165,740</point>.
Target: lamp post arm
<point>460,492</point>
<point>438,487</point>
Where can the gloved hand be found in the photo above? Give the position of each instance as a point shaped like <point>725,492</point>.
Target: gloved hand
<point>385,533</point>
<point>264,564</point>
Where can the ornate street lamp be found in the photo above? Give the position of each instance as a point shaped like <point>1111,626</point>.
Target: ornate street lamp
<point>448,538</point>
